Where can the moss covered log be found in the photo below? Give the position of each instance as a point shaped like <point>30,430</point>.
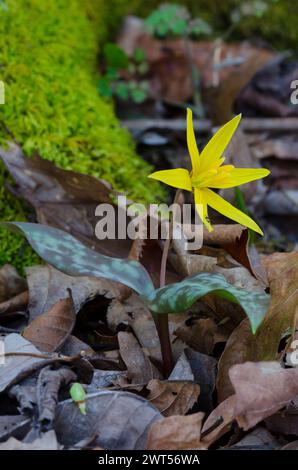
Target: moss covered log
<point>48,62</point>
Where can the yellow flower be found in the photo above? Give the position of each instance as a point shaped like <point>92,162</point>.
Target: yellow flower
<point>208,172</point>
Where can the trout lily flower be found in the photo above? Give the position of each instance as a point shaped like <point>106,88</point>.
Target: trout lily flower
<point>208,172</point>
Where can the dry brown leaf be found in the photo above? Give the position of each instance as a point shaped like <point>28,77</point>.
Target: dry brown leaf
<point>286,420</point>
<point>139,368</point>
<point>49,331</point>
<point>258,439</point>
<point>235,352</point>
<point>173,397</point>
<point>11,283</point>
<point>282,269</point>
<point>177,433</point>
<point>47,285</point>
<point>198,334</point>
<point>18,303</point>
<point>242,345</point>
<point>219,421</point>
<point>262,388</point>
<point>62,198</point>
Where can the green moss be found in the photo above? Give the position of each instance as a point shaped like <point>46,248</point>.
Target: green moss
<point>48,52</point>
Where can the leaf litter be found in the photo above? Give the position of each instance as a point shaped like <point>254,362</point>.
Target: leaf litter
<point>225,380</point>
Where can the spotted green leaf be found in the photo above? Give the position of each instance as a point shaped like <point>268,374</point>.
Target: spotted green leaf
<point>180,296</point>
<point>70,256</point>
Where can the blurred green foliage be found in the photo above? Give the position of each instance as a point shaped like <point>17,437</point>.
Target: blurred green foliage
<point>278,24</point>
<point>175,20</point>
<point>111,82</point>
<point>48,62</point>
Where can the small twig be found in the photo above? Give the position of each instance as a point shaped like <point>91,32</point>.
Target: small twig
<point>55,356</point>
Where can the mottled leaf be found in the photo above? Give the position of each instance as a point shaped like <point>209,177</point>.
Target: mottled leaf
<point>67,254</point>
<point>178,297</point>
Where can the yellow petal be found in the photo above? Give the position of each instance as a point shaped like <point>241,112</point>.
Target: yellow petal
<point>178,178</point>
<point>201,207</point>
<point>238,176</point>
<point>212,153</point>
<point>225,208</point>
<point>191,143</point>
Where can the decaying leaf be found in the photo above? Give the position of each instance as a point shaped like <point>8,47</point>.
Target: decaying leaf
<point>62,198</point>
<point>177,433</point>
<point>15,304</point>
<point>48,385</point>
<point>50,330</point>
<point>117,420</point>
<point>47,286</point>
<point>258,439</point>
<point>198,334</point>
<point>235,352</point>
<point>204,370</point>
<point>139,368</point>
<point>285,421</point>
<point>16,367</point>
<point>262,388</point>
<point>282,269</point>
<point>173,397</point>
<point>11,283</point>
<point>219,421</point>
<point>13,425</point>
<point>47,441</point>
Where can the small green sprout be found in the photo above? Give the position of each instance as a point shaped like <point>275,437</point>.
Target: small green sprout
<point>78,395</point>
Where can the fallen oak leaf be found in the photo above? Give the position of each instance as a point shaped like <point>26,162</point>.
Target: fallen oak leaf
<point>173,397</point>
<point>177,433</point>
<point>50,330</point>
